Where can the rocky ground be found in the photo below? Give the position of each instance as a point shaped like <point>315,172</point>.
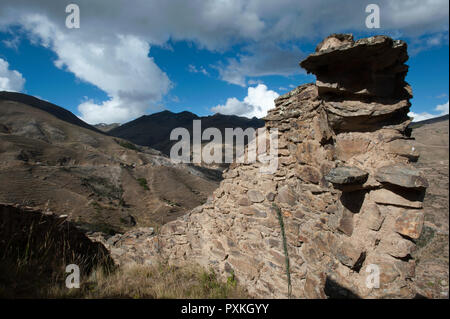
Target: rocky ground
<point>432,274</point>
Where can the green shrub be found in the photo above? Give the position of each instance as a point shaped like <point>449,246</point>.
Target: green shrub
<point>128,145</point>
<point>143,183</point>
<point>286,254</point>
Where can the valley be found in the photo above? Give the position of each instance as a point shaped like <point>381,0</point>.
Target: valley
<point>59,163</point>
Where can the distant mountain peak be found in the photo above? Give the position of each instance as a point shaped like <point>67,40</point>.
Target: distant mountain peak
<point>106,127</point>
<point>154,130</point>
<point>53,109</point>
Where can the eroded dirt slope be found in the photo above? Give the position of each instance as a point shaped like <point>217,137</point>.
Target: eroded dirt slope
<point>431,140</point>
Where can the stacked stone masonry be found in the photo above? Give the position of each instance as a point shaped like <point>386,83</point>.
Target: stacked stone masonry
<point>344,185</point>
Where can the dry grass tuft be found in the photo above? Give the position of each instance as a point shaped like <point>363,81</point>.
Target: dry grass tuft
<point>152,282</point>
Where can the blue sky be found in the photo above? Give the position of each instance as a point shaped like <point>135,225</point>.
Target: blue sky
<point>229,56</point>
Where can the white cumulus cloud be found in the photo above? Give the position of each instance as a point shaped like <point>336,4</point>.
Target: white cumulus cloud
<point>441,108</point>
<point>258,101</point>
<point>10,80</point>
<point>119,65</point>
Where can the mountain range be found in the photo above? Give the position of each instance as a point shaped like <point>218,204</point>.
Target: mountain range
<point>52,160</point>
<point>154,130</point>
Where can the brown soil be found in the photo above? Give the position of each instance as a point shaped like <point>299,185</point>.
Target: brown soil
<point>432,275</point>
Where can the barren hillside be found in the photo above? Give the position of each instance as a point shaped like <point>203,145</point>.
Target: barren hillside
<point>431,141</point>
<point>103,183</point>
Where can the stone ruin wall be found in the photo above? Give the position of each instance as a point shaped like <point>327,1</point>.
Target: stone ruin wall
<point>344,187</point>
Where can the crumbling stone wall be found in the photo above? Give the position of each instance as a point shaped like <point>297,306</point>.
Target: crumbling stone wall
<point>344,187</point>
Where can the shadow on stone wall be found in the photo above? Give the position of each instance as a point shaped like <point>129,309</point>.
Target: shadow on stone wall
<point>335,291</point>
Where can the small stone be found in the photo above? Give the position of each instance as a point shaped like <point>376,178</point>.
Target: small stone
<point>346,175</point>
<point>309,174</point>
<point>286,195</point>
<point>373,217</point>
<point>252,211</point>
<point>244,201</point>
<point>270,197</point>
<point>410,224</point>
<point>322,131</point>
<point>396,246</point>
<point>346,222</point>
<point>284,152</point>
<point>287,160</point>
<point>255,196</point>
<point>298,214</point>
<point>280,172</point>
<point>348,254</point>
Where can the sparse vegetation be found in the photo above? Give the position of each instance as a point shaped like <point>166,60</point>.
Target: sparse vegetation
<point>143,183</point>
<point>35,252</point>
<point>151,281</point>
<point>102,187</point>
<point>286,254</point>
<point>160,281</point>
<point>170,203</point>
<point>33,261</point>
<point>128,145</point>
<point>425,237</point>
<point>231,280</point>
<point>97,207</point>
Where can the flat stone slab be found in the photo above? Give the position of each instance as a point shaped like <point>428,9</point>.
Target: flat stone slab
<point>401,176</point>
<point>367,49</point>
<point>387,197</point>
<point>255,196</point>
<point>346,175</point>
